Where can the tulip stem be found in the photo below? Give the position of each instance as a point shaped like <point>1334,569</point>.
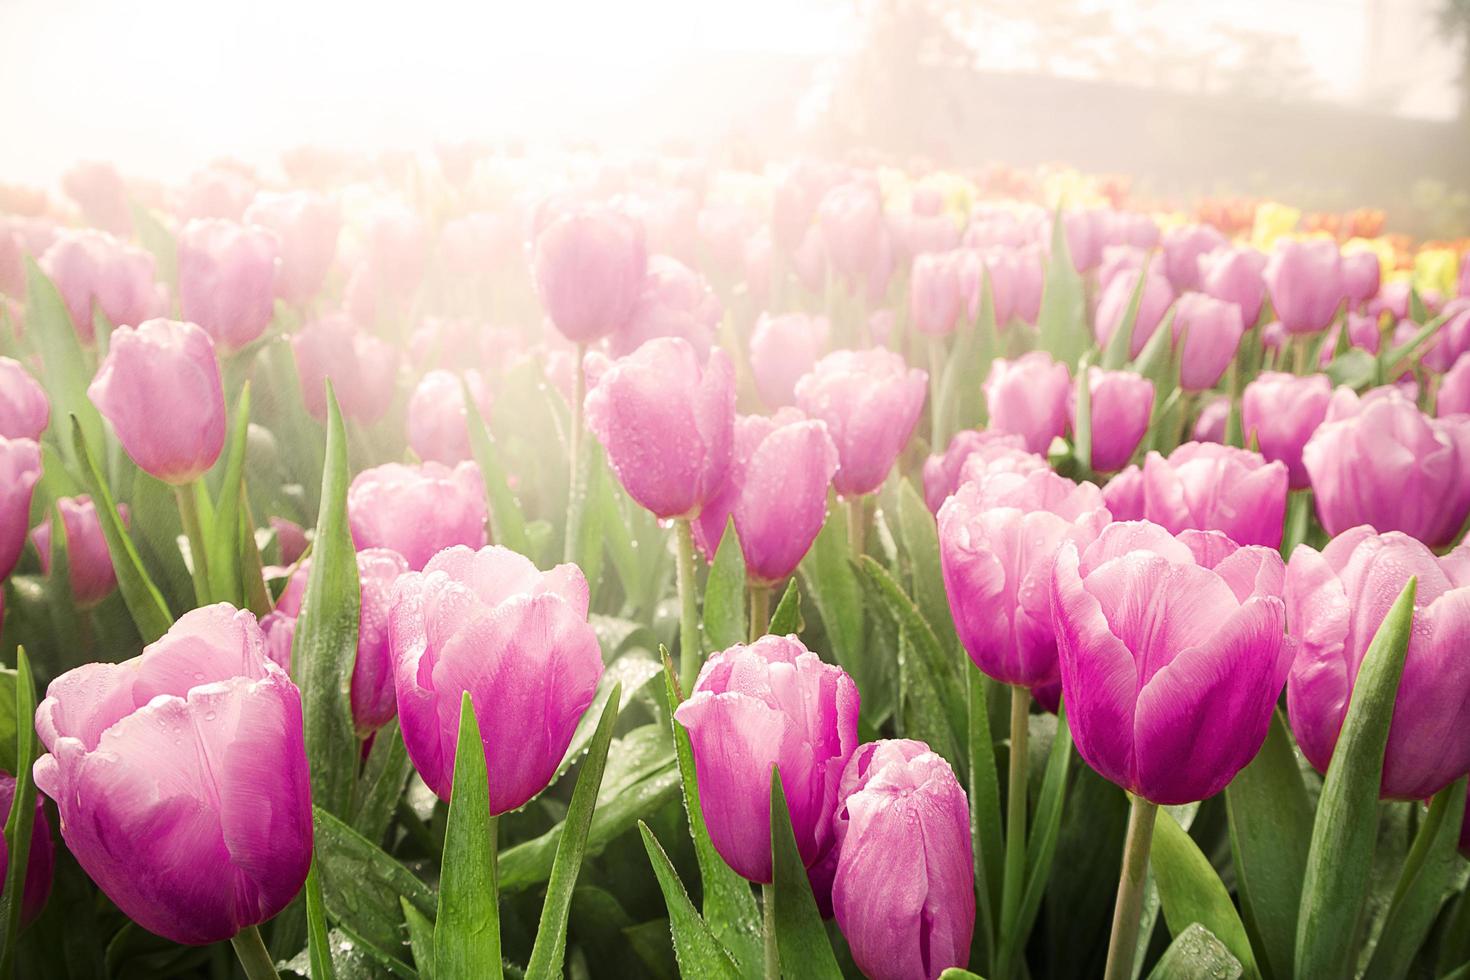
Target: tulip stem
<point>1015,863</point>
<point>773,954</point>
<point>254,957</point>
<point>937,432</point>
<point>689,652</point>
<point>760,610</point>
<point>576,479</point>
<point>856,525</point>
<point>1123,942</point>
<point>188,500</point>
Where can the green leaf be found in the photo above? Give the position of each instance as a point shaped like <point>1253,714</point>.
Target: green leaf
<point>378,790</point>
<point>1082,423</point>
<point>361,884</point>
<point>1355,368</point>
<point>1041,844</point>
<point>551,936</point>
<point>955,973</point>
<point>353,945</point>
<point>318,946</point>
<point>724,593</point>
<point>1393,361</point>
<point>1191,891</point>
<point>420,938</point>
<point>1270,831</point>
<point>224,533</point>
<point>801,939</point>
<point>22,816</point>
<point>507,523</point>
<point>1062,322</point>
<point>787,617</point>
<point>1157,361</point>
<point>830,580</point>
<point>1340,858</point>
<point>699,952</point>
<point>252,568</point>
<point>1120,344</point>
<point>157,239</point>
<point>986,840</point>
<point>467,926</point>
<point>1197,952</point>
<point>1418,312</point>
<point>65,368</point>
<point>142,597</point>
<point>324,650</point>
<point>921,542</point>
<point>8,742</point>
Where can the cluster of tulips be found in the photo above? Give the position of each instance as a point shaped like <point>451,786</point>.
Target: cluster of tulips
<point>473,565</point>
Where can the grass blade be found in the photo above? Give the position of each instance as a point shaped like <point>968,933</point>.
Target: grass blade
<point>467,927</point>
<point>22,817</point>
<point>800,936</point>
<point>699,952</point>
<point>1190,891</point>
<point>724,593</point>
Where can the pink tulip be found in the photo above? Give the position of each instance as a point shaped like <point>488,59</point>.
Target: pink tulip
<point>667,424</point>
<point>1281,411</point>
<point>417,511</point>
<point>1120,259</point>
<point>1130,228</point>
<point>1236,275</point>
<point>782,349</point>
<point>1360,276</point>
<point>935,299</point>
<point>1112,307</point>
<point>517,639</point>
<point>1210,426</point>
<point>222,192</point>
<point>361,368</point>
<point>1183,247</point>
<point>94,271</point>
<point>590,266</point>
<point>20,470</point>
<point>42,858</point>
<point>1211,330</point>
<point>943,472</point>
<point>798,193</point>
<point>101,194</point>
<point>871,402</point>
<point>1210,487</point>
<point>772,703</point>
<point>390,267</point>
<point>1029,396</point>
<point>904,892</point>
<point>227,278</point>
<point>1452,340</point>
<point>998,539</point>
<point>1123,494</point>
<point>88,561</point>
<point>855,234</point>
<point>1121,404</point>
<point>307,226</point>
<point>1454,389</point>
<point>181,778</point>
<point>290,539</point>
<point>776,491</point>
<point>1306,283</point>
<point>160,388</point>
<point>24,410</point>
<point>438,429</point>
<point>1084,231</point>
<point>675,301</point>
<point>1335,601</point>
<point>1173,652</point>
<point>479,244</point>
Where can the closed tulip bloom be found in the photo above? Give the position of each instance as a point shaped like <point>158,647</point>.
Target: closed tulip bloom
<point>935,299</point>
<point>1210,426</point>
<point>362,368</point>
<point>667,423</point>
<point>904,893</point>
<point>417,511</point>
<point>20,469</point>
<point>1084,230</point>
<point>997,541</point>
<point>517,639</point>
<point>87,558</point>
<point>1210,330</point>
<point>589,267</point>
<point>1281,411</point>
<point>1360,276</point>
<point>1123,494</point>
<point>1121,403</point>
<point>870,400</point>
<point>1452,340</point>
<point>782,349</point>
<point>771,703</point>
<point>1306,284</point>
<point>290,539</point>
<point>160,388</point>
<point>1335,601</point>
<point>1183,248</point>
<point>1029,396</point>
<point>438,427</point>
<point>1210,487</point>
<point>854,230</point>
<point>1118,259</point>
<point>94,271</point>
<point>181,780</point>
<point>227,276</point>
<point>24,410</point>
<point>41,861</point>
<point>1454,390</point>
<point>100,194</point>
<point>216,192</point>
<point>1173,652</point>
<point>942,471</point>
<point>1236,275</point>
<point>1379,461</point>
<point>1112,307</point>
<point>307,226</point>
<point>776,491</point>
<point>675,301</point>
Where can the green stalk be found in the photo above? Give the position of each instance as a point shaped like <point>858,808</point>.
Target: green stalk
<point>856,525</point>
<point>254,957</point>
<point>937,433</point>
<point>760,610</point>
<point>1015,866</point>
<point>773,956</point>
<point>1124,937</point>
<point>576,480</point>
<point>188,501</point>
<point>689,644</point>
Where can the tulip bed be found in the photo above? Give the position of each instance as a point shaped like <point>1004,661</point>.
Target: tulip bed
<point>484,566</point>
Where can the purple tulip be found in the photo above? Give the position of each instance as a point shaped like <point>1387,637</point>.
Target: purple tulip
<point>675,302</point>
<point>935,298</point>
<point>20,470</point>
<point>361,367</point>
<point>1210,487</point>
<point>1378,460</point>
<point>871,402</point>
<point>42,858</point>
<point>94,271</point>
<point>667,424</point>
<point>307,226</point>
<point>417,511</point>
<point>1123,494</point>
<point>782,349</point>
<point>1183,247</point>
<point>438,427</point>
<point>1360,276</point>
<point>855,235</point>
<point>227,276</point>
<point>942,473</point>
<point>1155,301</point>
<point>1306,284</point>
<point>160,388</point>
<point>181,780</point>
<point>771,703</point>
<point>1281,411</point>
<point>1335,601</point>
<point>590,266</point>
<point>998,539</point>
<point>89,563</point>
<point>904,893</point>
<point>1173,652</point>
<point>1454,389</point>
<point>24,410</point>
<point>517,639</point>
<point>1211,330</point>
<point>1236,275</point>
<point>1029,396</point>
<point>776,491</point>
<point>1121,404</point>
<point>1453,338</point>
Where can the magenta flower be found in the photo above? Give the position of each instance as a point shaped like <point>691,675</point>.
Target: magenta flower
<point>935,297</point>
<point>855,234</point>
<point>1155,301</point>
<point>1173,652</point>
<point>24,409</point>
<point>1453,338</point>
<point>1183,248</point>
<point>94,271</point>
<point>1335,601</point>
<point>181,778</point>
<point>770,703</point>
<point>1210,487</point>
<point>1210,330</point>
<point>943,473</point>
<point>438,427</point>
<point>782,349</point>
<point>361,367</point>
<point>1121,404</point>
<point>89,563</point>
<point>42,859</point>
<point>227,275</point>
<point>517,639</point>
<point>307,226</point>
<point>1361,272</point>
<point>1236,275</point>
<point>1281,411</point>
<point>674,301</point>
<point>160,388</point>
<point>1306,283</point>
<point>589,267</point>
<point>1029,396</point>
<point>1454,389</point>
<point>20,470</point>
<point>904,894</point>
<point>871,401</point>
<point>1123,494</point>
<point>417,511</point>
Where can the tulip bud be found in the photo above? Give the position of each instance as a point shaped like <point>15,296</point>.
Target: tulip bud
<point>776,491</point>
<point>856,235</point>
<point>935,299</point>
<point>216,192</point>
<point>1118,259</point>
<point>1112,307</point>
<point>90,564</point>
<point>93,270</point>
<point>1173,652</point>
<point>1360,276</point>
<point>181,778</point>
<point>1029,396</point>
<point>100,194</point>
<point>904,893</point>
<point>1123,495</point>
<point>307,226</point>
<point>942,473</point>
<point>489,623</point>
<point>438,427</point>
<point>24,410</point>
<point>1306,284</point>
<point>41,861</point>
<point>771,703</point>
<point>998,539</point>
<point>417,511</point>
<point>870,400</point>
<point>160,388</point>
<point>1121,404</point>
<point>1210,487</point>
<point>290,540</point>
<point>1084,232</point>
<point>1236,275</point>
<point>782,349</point>
<point>590,266</point>
<point>1335,601</point>
<point>675,301</point>
<point>1454,389</point>
<point>1183,247</point>
<point>361,368</point>
<point>1211,330</point>
<point>1452,340</point>
<point>227,279</point>
<point>1280,412</point>
<point>666,423</point>
<point>20,470</point>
